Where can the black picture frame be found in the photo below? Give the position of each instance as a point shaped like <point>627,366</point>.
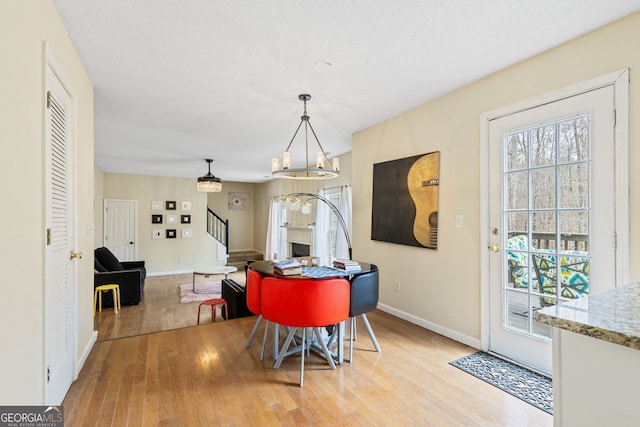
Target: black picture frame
<point>171,233</point>
<point>185,219</point>
<point>170,205</point>
<point>156,219</point>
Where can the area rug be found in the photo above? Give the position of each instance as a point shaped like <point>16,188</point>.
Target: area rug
<point>529,386</point>
<point>211,289</point>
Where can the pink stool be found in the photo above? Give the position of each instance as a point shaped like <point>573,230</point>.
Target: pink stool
<point>213,303</point>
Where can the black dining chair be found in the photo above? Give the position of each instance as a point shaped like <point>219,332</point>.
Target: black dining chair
<point>364,298</point>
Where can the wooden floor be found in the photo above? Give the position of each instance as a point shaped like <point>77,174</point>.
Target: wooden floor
<point>159,310</point>
<point>204,375</point>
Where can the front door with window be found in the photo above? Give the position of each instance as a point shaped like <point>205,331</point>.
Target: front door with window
<point>552,216</point>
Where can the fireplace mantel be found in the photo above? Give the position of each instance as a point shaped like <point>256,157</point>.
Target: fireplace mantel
<point>301,234</point>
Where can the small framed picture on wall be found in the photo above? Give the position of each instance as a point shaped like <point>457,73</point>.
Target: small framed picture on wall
<point>185,219</point>
<point>171,234</point>
<point>156,219</point>
<point>170,205</point>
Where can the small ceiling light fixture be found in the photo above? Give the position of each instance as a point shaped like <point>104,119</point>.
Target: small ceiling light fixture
<point>323,168</point>
<point>208,182</point>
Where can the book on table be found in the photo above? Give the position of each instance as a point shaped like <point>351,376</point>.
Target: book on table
<point>287,267</point>
<point>347,265</point>
<point>288,271</point>
<point>284,264</point>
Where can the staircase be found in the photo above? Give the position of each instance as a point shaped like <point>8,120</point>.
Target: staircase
<point>218,229</point>
<point>239,258</point>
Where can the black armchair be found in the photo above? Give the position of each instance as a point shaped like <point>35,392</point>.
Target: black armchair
<point>129,275</point>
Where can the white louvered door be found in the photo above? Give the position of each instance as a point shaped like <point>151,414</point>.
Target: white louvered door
<point>60,268</point>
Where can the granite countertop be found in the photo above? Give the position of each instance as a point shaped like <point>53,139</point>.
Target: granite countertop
<point>613,315</point>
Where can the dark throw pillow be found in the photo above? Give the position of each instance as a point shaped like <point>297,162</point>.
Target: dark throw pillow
<point>108,260</point>
<point>98,267</point>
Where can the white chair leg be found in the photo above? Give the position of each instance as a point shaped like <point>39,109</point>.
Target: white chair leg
<point>352,333</point>
<point>276,340</point>
<point>325,349</point>
<point>285,346</point>
<point>371,334</point>
<point>264,339</point>
<point>304,333</point>
<point>254,331</point>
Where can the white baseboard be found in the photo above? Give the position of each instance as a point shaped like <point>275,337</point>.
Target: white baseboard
<point>456,336</point>
<point>85,353</point>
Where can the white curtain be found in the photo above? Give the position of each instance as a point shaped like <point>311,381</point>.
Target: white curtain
<point>321,231</point>
<point>342,248</point>
<point>276,245</point>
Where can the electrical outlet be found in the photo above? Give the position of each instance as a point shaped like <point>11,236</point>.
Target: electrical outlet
<point>396,285</point>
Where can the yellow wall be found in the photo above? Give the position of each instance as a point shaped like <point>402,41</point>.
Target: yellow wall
<point>240,221</point>
<point>98,196</point>
<point>441,288</point>
<point>179,255</point>
<point>24,26</point>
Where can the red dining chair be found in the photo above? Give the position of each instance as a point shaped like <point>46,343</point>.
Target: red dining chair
<point>305,303</point>
<point>253,291</point>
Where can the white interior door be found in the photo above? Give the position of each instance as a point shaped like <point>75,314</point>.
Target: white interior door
<point>120,228</point>
<point>60,281</point>
<point>551,214</point>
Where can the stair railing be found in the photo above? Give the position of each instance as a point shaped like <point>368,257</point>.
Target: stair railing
<point>218,228</point>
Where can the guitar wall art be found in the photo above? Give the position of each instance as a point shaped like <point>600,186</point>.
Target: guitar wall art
<point>405,201</point>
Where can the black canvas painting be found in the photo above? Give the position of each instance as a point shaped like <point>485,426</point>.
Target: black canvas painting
<point>405,201</point>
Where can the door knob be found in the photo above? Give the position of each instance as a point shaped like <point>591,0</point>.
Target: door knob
<point>494,247</point>
<point>76,255</point>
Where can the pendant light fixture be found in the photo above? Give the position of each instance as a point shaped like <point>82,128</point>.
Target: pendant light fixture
<point>208,182</point>
<point>323,168</point>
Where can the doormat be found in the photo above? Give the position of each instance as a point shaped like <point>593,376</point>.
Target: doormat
<point>210,289</point>
<point>526,385</point>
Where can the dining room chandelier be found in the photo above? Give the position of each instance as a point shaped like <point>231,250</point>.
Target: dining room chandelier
<point>208,182</point>
<point>323,168</point>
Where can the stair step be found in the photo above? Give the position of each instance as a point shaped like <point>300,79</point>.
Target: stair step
<point>240,258</point>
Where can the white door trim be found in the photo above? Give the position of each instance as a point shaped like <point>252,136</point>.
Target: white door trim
<point>620,80</point>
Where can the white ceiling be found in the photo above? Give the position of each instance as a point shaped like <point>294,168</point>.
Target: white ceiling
<point>180,81</point>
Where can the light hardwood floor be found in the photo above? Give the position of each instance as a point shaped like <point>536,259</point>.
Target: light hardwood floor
<point>159,310</point>
<point>204,375</point>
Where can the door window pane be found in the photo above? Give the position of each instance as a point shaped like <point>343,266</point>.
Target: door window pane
<point>517,190</point>
<point>573,144</point>
<point>517,156</point>
<point>543,146</point>
<point>574,186</point>
<point>543,188</point>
